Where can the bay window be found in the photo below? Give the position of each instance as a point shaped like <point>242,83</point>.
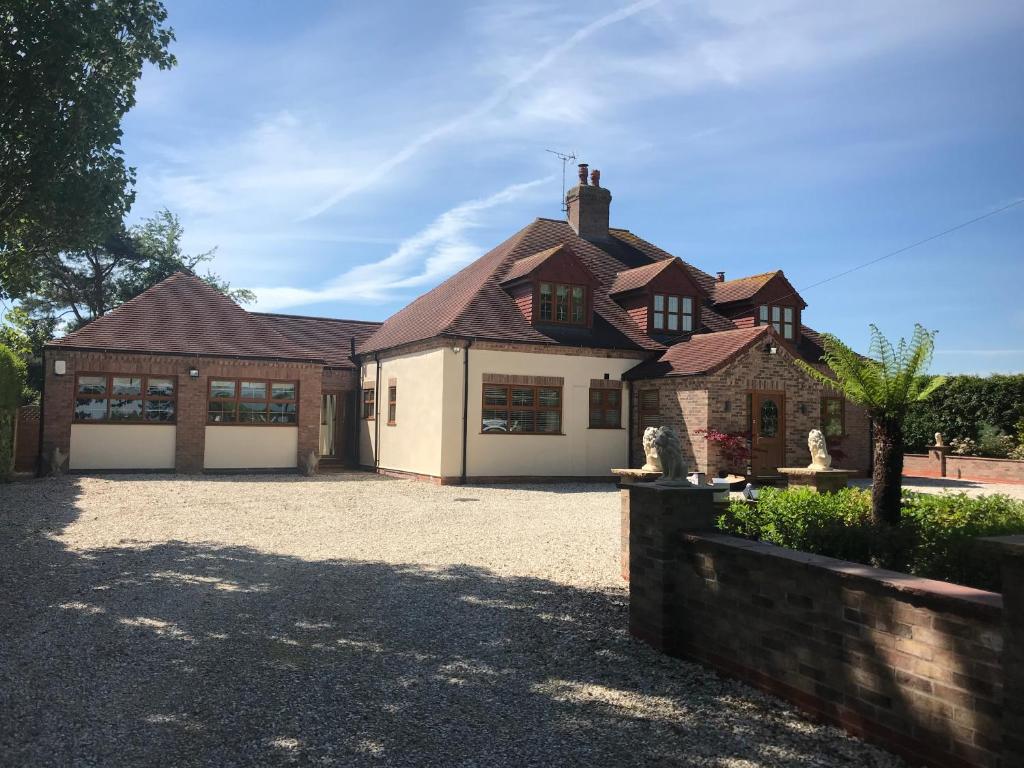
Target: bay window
<point>247,401</point>
<point>127,398</point>
<point>672,313</point>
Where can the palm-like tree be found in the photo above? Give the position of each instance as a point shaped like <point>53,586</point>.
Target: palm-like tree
<point>886,384</point>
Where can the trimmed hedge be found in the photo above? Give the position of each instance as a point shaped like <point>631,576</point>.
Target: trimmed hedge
<point>935,539</point>
<point>12,379</point>
<point>962,406</point>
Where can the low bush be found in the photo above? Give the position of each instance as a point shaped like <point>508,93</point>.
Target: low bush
<point>12,377</point>
<point>936,538</point>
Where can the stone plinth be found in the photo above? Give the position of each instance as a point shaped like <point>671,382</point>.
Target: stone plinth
<point>821,480</point>
<point>630,476</point>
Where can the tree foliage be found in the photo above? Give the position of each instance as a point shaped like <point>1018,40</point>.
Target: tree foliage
<point>12,377</point>
<point>69,71</point>
<point>25,336</point>
<point>887,383</point>
<point>962,408</point>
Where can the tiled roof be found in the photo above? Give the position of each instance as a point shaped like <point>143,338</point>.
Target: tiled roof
<point>701,353</point>
<point>716,322</point>
<point>523,267</point>
<point>328,337</point>
<point>473,303</point>
<point>702,278</point>
<point>742,288</point>
<point>184,315</point>
<point>638,277</point>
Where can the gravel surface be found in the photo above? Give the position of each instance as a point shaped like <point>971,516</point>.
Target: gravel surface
<point>949,485</point>
<point>349,620</point>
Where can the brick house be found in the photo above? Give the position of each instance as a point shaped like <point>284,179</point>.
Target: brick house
<point>546,357</point>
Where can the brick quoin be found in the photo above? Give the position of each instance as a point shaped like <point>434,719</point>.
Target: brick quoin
<point>59,394</point>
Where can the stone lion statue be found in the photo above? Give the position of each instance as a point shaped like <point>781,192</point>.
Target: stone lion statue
<point>668,452</point>
<point>651,461</point>
<point>820,458</point>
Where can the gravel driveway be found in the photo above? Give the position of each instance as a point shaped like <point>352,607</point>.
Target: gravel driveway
<point>348,620</point>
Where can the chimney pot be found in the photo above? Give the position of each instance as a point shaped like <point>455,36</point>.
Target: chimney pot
<point>587,206</point>
<point>721,277</point>
<point>583,174</point>
<point>595,177</point>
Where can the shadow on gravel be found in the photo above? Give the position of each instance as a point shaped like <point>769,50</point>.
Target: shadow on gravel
<point>183,654</point>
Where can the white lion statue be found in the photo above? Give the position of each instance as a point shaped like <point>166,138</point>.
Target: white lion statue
<point>820,458</point>
<point>651,461</point>
<point>664,449</point>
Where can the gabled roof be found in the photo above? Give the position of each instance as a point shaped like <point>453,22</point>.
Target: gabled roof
<point>524,267</point>
<point>184,315</point>
<point>700,353</point>
<point>742,288</point>
<point>653,252</point>
<point>638,277</point>
<point>328,337</point>
<point>472,302</point>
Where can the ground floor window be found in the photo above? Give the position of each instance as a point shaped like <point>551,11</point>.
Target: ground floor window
<point>369,398</point>
<point>521,409</point>
<point>127,398</point>
<point>392,403</point>
<point>605,408</point>
<point>833,416</point>
<point>244,401</point>
<point>649,410</point>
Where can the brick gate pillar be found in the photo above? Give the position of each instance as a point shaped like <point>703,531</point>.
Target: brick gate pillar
<point>659,515</point>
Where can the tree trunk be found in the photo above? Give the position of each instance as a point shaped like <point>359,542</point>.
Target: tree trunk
<point>887,474</point>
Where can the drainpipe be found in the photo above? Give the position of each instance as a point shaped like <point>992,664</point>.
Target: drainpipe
<point>465,404</point>
<point>376,413</point>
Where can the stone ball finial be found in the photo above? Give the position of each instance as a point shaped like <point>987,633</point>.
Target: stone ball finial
<point>820,458</point>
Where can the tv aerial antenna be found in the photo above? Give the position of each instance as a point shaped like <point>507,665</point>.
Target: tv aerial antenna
<point>566,159</point>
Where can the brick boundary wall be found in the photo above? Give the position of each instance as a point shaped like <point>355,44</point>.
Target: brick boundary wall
<point>914,665</point>
<point>939,462</point>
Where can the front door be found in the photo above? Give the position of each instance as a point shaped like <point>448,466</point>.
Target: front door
<point>332,408</point>
<point>768,431</point>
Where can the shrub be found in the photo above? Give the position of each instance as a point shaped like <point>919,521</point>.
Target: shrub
<point>993,442</point>
<point>935,539</point>
<point>12,378</point>
<point>963,446</point>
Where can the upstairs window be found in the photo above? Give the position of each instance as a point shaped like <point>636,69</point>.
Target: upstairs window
<point>782,319</point>
<point>561,303</point>
<point>673,314</point>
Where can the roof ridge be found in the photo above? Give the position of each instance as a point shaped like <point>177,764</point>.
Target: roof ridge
<point>751,277</point>
<point>314,317</point>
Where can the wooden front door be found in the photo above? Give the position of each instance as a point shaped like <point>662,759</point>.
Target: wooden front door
<point>769,432</point>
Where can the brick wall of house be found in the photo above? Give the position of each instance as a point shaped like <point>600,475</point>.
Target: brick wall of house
<point>912,664</point>
<point>59,395</point>
<point>727,409</point>
<point>683,406</point>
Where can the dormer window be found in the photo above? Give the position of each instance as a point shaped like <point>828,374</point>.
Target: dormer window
<point>671,313</point>
<point>782,319</point>
<point>561,303</point>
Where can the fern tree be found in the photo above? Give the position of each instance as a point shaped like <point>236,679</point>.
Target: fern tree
<point>886,383</point>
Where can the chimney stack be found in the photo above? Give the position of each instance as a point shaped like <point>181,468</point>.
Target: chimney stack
<point>588,206</point>
<point>721,277</point>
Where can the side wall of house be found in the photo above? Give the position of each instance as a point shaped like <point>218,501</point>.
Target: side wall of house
<point>413,442</point>
<point>147,445</point>
<point>723,406</point>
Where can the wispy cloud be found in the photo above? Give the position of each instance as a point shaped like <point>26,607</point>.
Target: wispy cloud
<point>497,97</point>
<point>419,261</point>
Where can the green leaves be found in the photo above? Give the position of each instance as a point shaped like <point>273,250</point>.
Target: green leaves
<point>69,71</point>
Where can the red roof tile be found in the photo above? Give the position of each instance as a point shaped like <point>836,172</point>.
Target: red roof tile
<point>741,288</point>
<point>328,337</point>
<point>701,353</point>
<point>523,267</point>
<point>184,315</point>
<point>638,277</point>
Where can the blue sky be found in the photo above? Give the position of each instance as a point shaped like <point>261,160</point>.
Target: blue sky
<point>345,157</point>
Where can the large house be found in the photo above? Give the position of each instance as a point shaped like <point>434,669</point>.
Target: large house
<point>545,358</point>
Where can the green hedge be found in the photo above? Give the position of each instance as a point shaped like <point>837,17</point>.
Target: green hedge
<point>12,379</point>
<point>962,406</point>
<point>936,537</point>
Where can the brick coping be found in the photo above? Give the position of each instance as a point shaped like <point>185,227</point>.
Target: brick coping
<point>929,592</point>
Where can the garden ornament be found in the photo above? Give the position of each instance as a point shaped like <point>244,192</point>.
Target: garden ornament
<point>820,459</point>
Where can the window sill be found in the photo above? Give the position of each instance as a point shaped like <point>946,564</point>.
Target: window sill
<point>526,434</point>
<point>128,422</point>
<point>250,424</point>
<point>392,423</point>
<point>607,429</point>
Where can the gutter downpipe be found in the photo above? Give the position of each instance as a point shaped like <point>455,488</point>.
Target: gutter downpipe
<point>376,413</point>
<point>465,405</point>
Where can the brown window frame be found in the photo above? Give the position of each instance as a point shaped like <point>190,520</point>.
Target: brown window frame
<point>237,400</point>
<point>825,400</point>
<point>645,411</point>
<point>108,395</point>
<point>369,403</point>
<point>603,407</point>
<point>681,314</point>
<point>392,404</point>
<point>766,316</point>
<point>510,407</point>
<point>572,303</point>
